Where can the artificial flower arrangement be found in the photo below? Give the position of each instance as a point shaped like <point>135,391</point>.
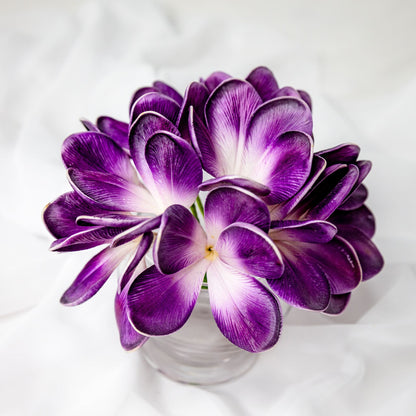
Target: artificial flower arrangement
<point>279,221</point>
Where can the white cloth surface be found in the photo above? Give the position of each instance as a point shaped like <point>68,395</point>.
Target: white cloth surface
<point>63,60</point>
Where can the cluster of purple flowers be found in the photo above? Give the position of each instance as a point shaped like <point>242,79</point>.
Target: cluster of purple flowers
<point>279,220</point>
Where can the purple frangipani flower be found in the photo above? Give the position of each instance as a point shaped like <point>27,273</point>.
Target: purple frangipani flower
<point>233,252</point>
<point>324,234</point>
<point>275,211</point>
<point>111,205</point>
<point>262,146</point>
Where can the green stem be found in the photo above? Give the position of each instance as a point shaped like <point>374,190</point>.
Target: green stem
<point>200,206</point>
<point>194,213</point>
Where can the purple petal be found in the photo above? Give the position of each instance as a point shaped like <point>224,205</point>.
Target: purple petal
<point>356,199</point>
<point>215,79</point>
<point>175,168</point>
<point>146,125</point>
<point>328,194</point>
<point>306,231</point>
<point>337,259</point>
<point>285,166</point>
<point>148,225</point>
<point>343,153</point>
<point>160,304</point>
<point>117,130</point>
<point>233,180</point>
<point>361,218</point>
<point>369,256</point>
<point>225,206</point>
<point>249,250</point>
<point>303,283</point>
<point>95,273</point>
<point>169,91</point>
<point>110,220</point>
<point>129,337</point>
<point>131,270</point>
<point>202,142</point>
<point>88,238</point>
<point>157,102</point>
<point>276,117</point>
<point>288,92</point>
<point>280,211</point>
<point>364,167</point>
<point>337,303</point>
<point>228,111</point>
<point>89,125</point>
<point>60,215</point>
<point>306,97</point>
<point>112,192</point>
<point>263,80</point>
<point>139,93</point>
<point>196,96</point>
<point>90,151</point>
<point>181,241</point>
<point>245,311</point>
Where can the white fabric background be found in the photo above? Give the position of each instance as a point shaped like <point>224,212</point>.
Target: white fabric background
<point>64,60</point>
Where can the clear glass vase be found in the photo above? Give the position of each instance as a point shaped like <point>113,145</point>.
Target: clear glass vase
<point>198,353</point>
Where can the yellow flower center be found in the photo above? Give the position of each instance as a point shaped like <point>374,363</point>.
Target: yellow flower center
<point>210,253</point>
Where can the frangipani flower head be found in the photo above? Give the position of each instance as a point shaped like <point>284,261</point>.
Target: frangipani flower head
<point>232,252</point>
<point>279,219</point>
<point>263,146</point>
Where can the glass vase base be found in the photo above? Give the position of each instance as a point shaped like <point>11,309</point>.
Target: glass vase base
<point>198,353</point>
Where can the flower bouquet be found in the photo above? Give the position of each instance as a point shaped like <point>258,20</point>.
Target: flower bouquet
<point>220,189</point>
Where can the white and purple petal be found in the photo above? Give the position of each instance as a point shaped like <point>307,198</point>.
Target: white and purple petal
<point>250,250</point>
<point>236,181</point>
<point>145,126</point>
<point>288,92</point>
<point>328,194</point>
<point>110,220</point>
<point>275,118</point>
<point>157,102</point>
<point>160,304</point>
<point>263,80</point>
<point>281,211</point>
<point>337,304</point>
<point>314,231</point>
<point>116,129</point>
<point>227,205</point>
<point>60,215</point>
<point>246,312</point>
<point>361,218</point>
<point>139,93</point>
<point>303,283</point>
<point>88,238</point>
<point>228,111</point>
<point>181,241</point>
<point>175,168</point>
<point>215,79</point>
<point>283,166</point>
<point>90,126</point>
<point>343,153</point>
<point>149,224</point>
<point>96,152</point>
<point>129,337</point>
<point>356,199</point>
<point>168,91</point>
<point>95,273</point>
<point>196,96</point>
<point>306,97</point>
<point>370,258</point>
<point>337,259</point>
<point>112,192</point>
